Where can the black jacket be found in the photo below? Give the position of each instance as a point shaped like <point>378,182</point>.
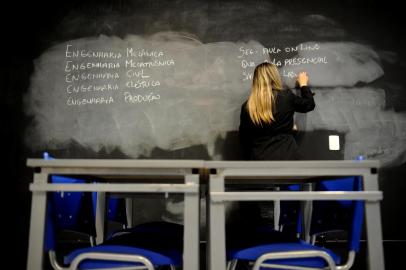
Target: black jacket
<point>274,141</point>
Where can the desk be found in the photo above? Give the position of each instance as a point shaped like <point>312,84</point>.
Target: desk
<point>154,171</point>
<point>296,172</point>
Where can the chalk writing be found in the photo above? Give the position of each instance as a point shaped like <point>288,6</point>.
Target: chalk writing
<point>79,68</point>
<point>277,63</point>
<point>70,89</point>
<point>129,98</point>
<point>92,54</point>
<point>303,47</point>
<point>89,101</point>
<point>69,78</point>
<point>273,50</point>
<point>246,52</point>
<point>133,73</point>
<point>141,53</point>
<point>304,60</point>
<point>71,66</point>
<point>247,76</point>
<point>155,63</point>
<point>139,73</point>
<point>143,84</point>
<point>280,56</point>
<point>245,64</point>
<point>288,74</point>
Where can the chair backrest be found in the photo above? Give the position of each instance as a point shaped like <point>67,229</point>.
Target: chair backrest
<point>341,215</point>
<point>68,211</point>
<point>72,210</point>
<point>75,211</point>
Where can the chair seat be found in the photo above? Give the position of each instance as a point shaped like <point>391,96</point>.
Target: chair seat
<point>253,253</point>
<point>167,257</point>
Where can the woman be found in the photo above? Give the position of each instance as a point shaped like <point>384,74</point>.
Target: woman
<point>266,120</point>
<point>266,132</point>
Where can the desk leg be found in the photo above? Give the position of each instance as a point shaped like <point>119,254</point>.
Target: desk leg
<point>191,226</point>
<point>307,207</point>
<point>37,226</point>
<point>217,238</point>
<point>276,212</point>
<point>100,216</point>
<point>373,226</point>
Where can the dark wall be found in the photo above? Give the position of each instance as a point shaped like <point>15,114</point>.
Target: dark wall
<point>375,128</point>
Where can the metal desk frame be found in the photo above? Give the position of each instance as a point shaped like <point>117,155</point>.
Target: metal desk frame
<point>298,171</point>
<point>153,170</point>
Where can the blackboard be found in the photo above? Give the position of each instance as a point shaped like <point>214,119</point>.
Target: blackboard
<point>176,81</point>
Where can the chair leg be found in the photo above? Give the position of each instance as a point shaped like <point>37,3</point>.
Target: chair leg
<point>53,261</point>
<point>232,264</point>
<point>129,212</point>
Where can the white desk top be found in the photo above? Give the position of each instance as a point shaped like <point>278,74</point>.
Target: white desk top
<point>185,163</point>
<point>115,163</point>
<point>323,164</point>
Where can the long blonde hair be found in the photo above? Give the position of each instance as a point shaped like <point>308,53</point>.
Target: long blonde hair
<point>261,101</point>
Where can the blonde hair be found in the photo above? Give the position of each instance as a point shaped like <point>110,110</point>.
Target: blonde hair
<point>262,98</point>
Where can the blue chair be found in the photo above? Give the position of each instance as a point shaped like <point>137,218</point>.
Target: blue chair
<point>327,216</point>
<point>140,249</point>
<point>73,205</point>
<point>112,255</point>
<point>74,213</point>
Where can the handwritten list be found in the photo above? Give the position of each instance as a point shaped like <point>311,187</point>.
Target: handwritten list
<point>283,58</point>
<point>134,75</point>
<point>109,76</point>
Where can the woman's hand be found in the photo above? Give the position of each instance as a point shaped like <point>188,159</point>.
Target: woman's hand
<point>302,79</point>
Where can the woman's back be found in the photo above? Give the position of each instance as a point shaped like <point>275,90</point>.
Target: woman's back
<point>274,140</point>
